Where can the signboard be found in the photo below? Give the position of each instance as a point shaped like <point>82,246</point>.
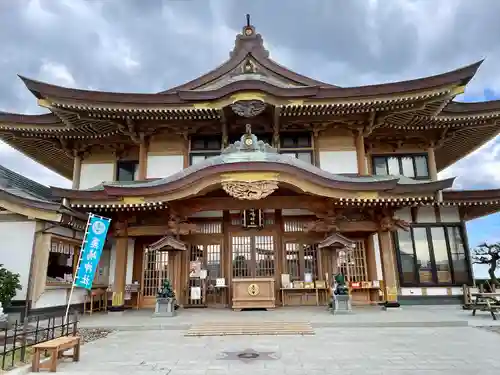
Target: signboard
<point>253,218</point>
<point>93,243</point>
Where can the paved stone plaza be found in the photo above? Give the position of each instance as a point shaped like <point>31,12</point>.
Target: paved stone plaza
<point>403,347</point>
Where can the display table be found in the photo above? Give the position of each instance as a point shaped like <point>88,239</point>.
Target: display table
<point>255,293</point>
<point>285,292</point>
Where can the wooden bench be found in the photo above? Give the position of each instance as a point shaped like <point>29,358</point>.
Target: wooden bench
<point>486,302</point>
<point>56,348</point>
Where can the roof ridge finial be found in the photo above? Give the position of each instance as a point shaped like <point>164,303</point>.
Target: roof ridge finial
<point>248,20</point>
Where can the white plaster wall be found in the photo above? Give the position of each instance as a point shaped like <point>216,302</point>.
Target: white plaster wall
<point>78,296</point>
<point>449,214</point>
<point>159,166</point>
<point>404,214</point>
<point>130,262</point>
<point>295,212</point>
<point>378,260</point>
<point>426,215</point>
<point>15,250</point>
<point>338,161</point>
<point>438,291</point>
<point>208,214</point>
<point>411,291</point>
<point>94,174</point>
<point>52,297</point>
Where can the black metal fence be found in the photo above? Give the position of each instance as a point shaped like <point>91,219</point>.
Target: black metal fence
<point>16,341</point>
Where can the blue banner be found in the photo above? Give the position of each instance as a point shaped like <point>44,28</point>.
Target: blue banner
<point>95,237</point>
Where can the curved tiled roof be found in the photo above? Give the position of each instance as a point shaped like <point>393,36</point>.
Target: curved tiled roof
<point>259,156</point>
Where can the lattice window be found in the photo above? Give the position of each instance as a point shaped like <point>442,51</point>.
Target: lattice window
<point>253,256</point>
<point>213,263</point>
<point>353,263</point>
<point>264,256</point>
<point>301,259</point>
<point>242,256</point>
<point>311,260</point>
<point>209,228</point>
<point>155,271</point>
<point>293,226</point>
<point>292,265</point>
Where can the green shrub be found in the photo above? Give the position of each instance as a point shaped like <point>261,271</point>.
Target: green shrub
<point>9,285</point>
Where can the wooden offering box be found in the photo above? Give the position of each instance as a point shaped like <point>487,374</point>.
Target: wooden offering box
<point>253,294</point>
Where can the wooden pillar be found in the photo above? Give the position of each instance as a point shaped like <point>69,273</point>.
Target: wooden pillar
<point>174,258</point>
<point>77,170</point>
<point>143,160</point>
<point>431,163</point>
<point>121,248</point>
<point>389,268</point>
<point>371,261</point>
<point>279,257</point>
<point>360,152</point>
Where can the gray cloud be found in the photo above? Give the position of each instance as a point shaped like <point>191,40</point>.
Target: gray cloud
<point>149,46</point>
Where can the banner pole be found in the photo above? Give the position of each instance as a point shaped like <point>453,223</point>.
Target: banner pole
<point>76,271</point>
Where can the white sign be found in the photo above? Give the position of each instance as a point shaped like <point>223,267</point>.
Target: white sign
<point>195,292</point>
<point>203,274</point>
<point>220,282</point>
<point>308,277</point>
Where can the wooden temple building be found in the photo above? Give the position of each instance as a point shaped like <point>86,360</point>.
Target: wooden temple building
<point>252,185</point>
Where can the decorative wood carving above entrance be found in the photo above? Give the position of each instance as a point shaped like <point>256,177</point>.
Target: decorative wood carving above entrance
<point>248,108</point>
<point>249,190</point>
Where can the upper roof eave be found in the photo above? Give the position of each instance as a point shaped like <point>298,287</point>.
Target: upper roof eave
<point>457,77</point>
<point>24,119</point>
<point>468,108</point>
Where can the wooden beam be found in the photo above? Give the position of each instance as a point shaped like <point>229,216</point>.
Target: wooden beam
<point>163,230</point>
<point>191,206</point>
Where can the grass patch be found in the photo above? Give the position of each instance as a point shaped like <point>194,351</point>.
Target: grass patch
<point>6,359</point>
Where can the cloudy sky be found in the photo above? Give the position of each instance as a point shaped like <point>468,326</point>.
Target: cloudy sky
<point>149,46</point>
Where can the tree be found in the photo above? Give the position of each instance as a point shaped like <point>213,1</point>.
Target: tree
<point>166,291</point>
<point>9,285</point>
<point>488,254</point>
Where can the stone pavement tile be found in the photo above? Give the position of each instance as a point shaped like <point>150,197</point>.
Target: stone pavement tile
<point>402,351</point>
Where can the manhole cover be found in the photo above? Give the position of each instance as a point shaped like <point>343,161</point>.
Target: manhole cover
<point>248,355</point>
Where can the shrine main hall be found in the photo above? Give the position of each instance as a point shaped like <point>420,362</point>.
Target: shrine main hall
<point>253,185</point>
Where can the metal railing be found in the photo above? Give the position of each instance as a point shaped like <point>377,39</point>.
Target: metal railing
<point>16,341</point>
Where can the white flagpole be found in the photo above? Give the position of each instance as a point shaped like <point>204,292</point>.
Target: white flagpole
<point>77,268</point>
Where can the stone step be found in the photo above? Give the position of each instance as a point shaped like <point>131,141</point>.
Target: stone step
<point>250,328</point>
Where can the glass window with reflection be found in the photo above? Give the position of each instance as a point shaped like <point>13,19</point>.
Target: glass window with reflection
<point>407,257</point>
<point>202,148</point>
<point>412,166</point>
<point>127,170</point>
<point>298,146</point>
<point>432,255</point>
<point>458,257</point>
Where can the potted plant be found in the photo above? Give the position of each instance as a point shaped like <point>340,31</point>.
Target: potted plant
<point>165,300</point>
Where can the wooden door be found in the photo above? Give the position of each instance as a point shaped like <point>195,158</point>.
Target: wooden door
<point>155,270</point>
<point>208,253</point>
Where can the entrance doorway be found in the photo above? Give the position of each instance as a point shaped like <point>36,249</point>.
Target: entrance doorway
<point>253,255</point>
<point>203,258</point>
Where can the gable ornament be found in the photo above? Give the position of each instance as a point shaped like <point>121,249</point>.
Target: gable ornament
<point>249,190</point>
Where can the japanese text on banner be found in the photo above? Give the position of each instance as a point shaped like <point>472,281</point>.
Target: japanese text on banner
<point>95,237</point>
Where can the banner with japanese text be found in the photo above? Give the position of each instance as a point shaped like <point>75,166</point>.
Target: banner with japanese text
<point>94,240</point>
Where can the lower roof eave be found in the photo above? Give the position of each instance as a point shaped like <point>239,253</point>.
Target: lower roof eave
<point>473,204</point>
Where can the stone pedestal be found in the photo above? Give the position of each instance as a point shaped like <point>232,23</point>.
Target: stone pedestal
<point>341,304</point>
<point>165,307</point>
